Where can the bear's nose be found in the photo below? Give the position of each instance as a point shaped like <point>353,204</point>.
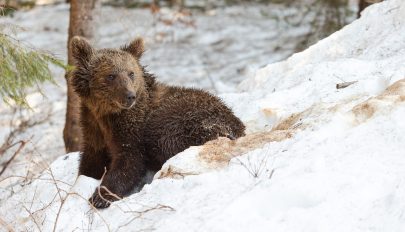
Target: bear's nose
<point>130,97</point>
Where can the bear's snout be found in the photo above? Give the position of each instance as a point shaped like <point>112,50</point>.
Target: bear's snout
<point>130,99</point>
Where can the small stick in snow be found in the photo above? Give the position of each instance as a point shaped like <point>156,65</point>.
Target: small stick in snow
<point>345,84</point>
<point>271,173</point>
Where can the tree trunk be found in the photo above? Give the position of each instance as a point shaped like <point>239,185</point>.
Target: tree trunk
<point>81,23</point>
<point>365,3</point>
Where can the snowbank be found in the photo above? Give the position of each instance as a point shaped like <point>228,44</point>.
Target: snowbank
<point>318,158</point>
<point>195,51</point>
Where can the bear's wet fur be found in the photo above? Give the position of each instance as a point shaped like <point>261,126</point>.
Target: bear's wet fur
<point>132,123</point>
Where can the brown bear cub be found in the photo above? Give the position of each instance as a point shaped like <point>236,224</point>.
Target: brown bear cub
<point>132,123</point>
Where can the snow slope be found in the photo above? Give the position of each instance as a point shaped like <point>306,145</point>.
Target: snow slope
<point>317,158</point>
<point>199,49</point>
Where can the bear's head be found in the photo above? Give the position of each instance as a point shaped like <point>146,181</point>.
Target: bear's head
<point>111,79</point>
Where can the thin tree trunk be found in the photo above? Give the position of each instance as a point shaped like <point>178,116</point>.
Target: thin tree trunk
<point>81,23</point>
<point>365,3</point>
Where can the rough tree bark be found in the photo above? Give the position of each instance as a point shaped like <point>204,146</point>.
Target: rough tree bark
<point>81,23</point>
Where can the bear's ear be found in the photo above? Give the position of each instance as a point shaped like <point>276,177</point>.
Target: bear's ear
<point>81,50</point>
<point>80,80</point>
<point>136,47</point>
<point>82,53</point>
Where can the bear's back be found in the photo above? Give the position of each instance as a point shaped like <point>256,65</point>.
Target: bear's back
<point>184,117</point>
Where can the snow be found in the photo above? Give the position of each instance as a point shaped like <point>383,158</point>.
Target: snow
<point>205,54</point>
<point>316,158</point>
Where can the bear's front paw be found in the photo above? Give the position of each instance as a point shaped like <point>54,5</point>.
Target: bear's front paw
<point>103,201</point>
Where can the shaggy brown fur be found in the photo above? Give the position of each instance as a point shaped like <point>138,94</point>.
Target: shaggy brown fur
<point>132,123</point>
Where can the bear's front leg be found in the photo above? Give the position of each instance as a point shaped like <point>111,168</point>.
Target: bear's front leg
<point>93,162</point>
<point>94,157</point>
<point>125,172</point>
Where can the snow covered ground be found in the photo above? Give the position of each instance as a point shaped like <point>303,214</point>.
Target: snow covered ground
<point>316,158</point>
<point>213,50</point>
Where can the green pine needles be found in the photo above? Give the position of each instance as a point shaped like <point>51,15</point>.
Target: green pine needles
<point>22,67</point>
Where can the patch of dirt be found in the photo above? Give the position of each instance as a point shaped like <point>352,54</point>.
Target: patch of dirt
<point>174,173</point>
<point>385,102</point>
<point>219,152</point>
<point>289,122</point>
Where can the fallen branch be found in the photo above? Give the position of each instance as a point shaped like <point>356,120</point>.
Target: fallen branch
<point>345,84</point>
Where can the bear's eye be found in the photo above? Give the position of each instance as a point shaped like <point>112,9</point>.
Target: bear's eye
<point>132,75</point>
<point>110,77</point>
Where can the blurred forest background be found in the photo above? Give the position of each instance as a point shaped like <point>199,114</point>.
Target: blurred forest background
<point>209,44</point>
<point>326,16</point>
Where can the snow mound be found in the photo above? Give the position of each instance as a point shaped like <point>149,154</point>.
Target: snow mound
<point>317,157</point>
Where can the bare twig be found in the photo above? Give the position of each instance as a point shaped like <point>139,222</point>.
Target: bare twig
<point>33,218</point>
<point>94,208</point>
<point>254,169</point>
<point>109,193</point>
<point>257,167</point>
<point>139,214</point>
<point>62,200</point>
<point>47,205</point>
<point>246,167</point>
<point>21,128</point>
<point>33,197</point>
<point>59,210</point>
<point>106,189</point>
<point>44,179</point>
<point>22,144</point>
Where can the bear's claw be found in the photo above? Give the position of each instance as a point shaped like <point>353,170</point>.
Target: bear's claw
<point>99,202</point>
